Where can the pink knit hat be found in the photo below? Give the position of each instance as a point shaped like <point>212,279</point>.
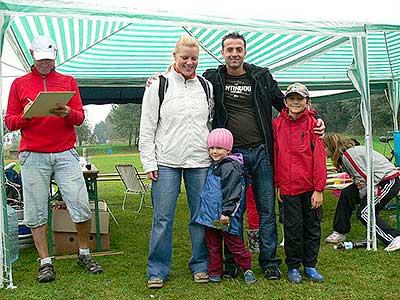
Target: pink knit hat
<point>220,137</point>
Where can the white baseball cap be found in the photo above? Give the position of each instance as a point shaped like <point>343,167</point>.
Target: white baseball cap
<point>43,47</point>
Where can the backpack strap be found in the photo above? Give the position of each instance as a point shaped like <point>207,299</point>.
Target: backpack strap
<point>162,89</point>
<point>206,88</point>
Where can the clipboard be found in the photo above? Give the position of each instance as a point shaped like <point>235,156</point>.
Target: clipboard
<point>45,101</point>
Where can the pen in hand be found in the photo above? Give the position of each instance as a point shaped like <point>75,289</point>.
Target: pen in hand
<point>30,101</point>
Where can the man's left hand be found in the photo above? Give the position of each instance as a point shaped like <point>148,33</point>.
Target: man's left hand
<point>319,129</point>
<point>61,110</point>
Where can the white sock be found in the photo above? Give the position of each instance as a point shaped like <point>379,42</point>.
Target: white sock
<point>85,251</point>
<point>46,260</point>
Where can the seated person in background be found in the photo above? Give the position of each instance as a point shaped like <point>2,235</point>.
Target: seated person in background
<point>349,158</point>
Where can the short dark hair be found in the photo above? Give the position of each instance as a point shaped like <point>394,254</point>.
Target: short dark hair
<point>234,36</point>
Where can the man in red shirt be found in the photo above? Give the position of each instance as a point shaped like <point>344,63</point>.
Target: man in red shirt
<point>46,150</point>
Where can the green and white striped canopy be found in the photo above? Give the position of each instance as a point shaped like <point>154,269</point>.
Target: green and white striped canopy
<point>115,51</point>
<point>124,48</point>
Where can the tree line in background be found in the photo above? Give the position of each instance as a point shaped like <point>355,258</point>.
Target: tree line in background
<point>345,116</point>
<point>122,123</point>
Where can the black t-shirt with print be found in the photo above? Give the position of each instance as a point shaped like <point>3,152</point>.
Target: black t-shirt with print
<point>242,118</point>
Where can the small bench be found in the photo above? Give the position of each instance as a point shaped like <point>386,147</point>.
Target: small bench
<point>106,177</point>
<point>109,177</point>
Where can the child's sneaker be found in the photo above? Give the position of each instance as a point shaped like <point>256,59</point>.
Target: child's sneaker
<point>336,237</point>
<point>294,276</point>
<point>214,278</point>
<point>313,274</point>
<point>394,245</point>
<point>249,277</point>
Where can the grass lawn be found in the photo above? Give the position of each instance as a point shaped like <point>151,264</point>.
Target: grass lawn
<point>356,274</point>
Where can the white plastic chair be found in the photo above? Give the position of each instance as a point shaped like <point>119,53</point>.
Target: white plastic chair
<point>133,184</point>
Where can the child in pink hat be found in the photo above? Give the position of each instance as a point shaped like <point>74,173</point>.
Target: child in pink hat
<point>221,206</point>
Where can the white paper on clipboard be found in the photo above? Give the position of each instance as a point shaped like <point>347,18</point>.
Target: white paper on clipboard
<point>45,101</point>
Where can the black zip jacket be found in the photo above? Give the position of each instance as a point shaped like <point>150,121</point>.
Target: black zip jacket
<point>266,94</point>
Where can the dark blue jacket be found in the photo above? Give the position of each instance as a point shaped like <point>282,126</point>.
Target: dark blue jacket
<point>223,194</point>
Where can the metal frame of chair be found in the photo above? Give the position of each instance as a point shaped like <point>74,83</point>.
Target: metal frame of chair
<point>133,184</point>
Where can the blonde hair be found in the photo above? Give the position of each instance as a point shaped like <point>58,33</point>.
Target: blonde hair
<point>336,144</point>
<point>186,40</point>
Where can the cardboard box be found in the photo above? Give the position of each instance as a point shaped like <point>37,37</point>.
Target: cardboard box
<point>61,220</point>
<point>67,242</point>
<point>65,237</point>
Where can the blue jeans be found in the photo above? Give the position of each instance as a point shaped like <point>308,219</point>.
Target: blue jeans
<point>164,193</point>
<point>258,166</point>
<point>37,169</point>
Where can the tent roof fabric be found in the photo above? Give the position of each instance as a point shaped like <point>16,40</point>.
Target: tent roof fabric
<point>121,46</point>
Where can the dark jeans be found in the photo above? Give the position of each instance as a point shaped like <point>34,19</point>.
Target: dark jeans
<point>260,169</point>
<point>302,229</point>
<point>234,243</point>
<point>349,198</point>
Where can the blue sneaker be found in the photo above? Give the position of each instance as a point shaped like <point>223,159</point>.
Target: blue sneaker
<point>294,276</point>
<point>214,278</point>
<point>313,274</point>
<point>249,277</point>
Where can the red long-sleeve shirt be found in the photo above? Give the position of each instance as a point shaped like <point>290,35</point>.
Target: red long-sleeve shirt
<point>43,134</point>
<point>300,159</point>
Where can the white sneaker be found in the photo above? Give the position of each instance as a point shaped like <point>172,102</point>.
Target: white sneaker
<point>336,237</point>
<point>394,245</point>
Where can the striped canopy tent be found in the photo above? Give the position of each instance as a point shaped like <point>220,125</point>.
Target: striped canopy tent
<point>117,56</point>
<point>112,48</point>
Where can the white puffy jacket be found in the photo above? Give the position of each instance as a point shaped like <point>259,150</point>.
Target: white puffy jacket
<point>178,137</point>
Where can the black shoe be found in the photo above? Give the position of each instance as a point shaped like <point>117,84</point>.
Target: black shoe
<point>46,273</point>
<point>89,263</point>
<point>273,273</point>
<point>231,271</point>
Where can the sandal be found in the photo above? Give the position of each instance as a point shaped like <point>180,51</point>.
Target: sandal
<point>46,273</point>
<point>201,277</point>
<point>89,263</point>
<point>155,283</point>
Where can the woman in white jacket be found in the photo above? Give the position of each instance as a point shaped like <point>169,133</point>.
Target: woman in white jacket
<point>173,136</point>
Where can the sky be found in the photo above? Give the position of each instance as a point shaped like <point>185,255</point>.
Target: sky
<point>382,11</point>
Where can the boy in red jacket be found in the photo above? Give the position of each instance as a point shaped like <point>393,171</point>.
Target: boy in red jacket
<point>300,178</point>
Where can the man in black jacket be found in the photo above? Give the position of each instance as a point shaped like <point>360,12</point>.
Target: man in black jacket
<point>244,95</point>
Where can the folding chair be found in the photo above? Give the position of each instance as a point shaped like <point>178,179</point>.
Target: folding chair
<point>133,184</point>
